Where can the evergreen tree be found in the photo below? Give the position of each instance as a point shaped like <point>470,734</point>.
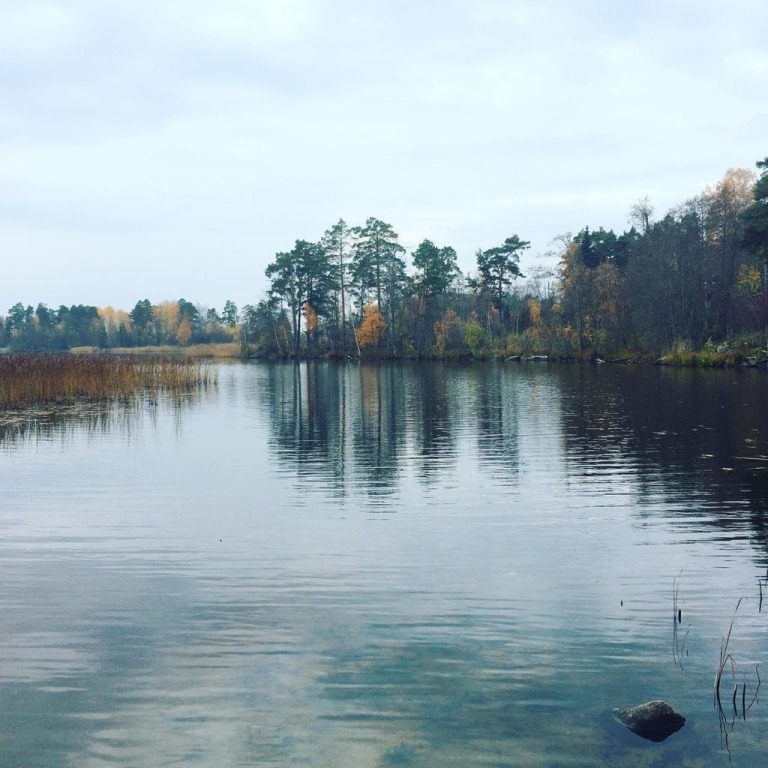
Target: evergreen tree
<point>337,242</point>
<point>499,266</point>
<point>755,217</point>
<point>436,268</point>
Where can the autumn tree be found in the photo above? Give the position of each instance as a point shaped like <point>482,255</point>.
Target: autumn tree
<point>575,286</point>
<point>192,319</point>
<point>536,334</point>
<point>184,332</point>
<point>117,326</point>
<point>167,318</point>
<point>609,294</point>
<point>474,335</point>
<point>448,334</point>
<point>371,329</point>
<point>682,282</point>
<point>592,286</point>
<point>311,322</point>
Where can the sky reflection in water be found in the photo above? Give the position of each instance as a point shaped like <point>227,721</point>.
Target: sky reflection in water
<point>403,565</point>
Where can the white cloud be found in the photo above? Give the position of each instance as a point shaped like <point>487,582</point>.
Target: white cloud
<point>517,14</point>
<point>265,121</point>
<point>749,63</point>
<point>256,22</point>
<point>35,28</point>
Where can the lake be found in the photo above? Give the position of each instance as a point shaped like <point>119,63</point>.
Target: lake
<point>388,565</point>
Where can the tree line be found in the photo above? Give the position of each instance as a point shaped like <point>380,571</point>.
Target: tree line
<point>351,290</point>
<point>177,323</point>
<point>694,276</point>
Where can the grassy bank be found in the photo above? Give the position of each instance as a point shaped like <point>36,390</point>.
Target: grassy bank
<point>744,351</point>
<point>31,379</point>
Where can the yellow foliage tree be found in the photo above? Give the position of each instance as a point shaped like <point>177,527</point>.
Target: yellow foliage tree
<point>537,333</point>
<point>448,333</point>
<point>184,332</point>
<point>725,200</point>
<point>370,331</point>
<point>312,321</point>
<point>311,318</point>
<point>748,280</point>
<point>167,315</point>
<point>534,312</point>
<point>114,320</point>
<point>474,336</point>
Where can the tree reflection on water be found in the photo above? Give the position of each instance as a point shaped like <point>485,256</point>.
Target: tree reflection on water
<point>683,433</point>
<point>47,423</point>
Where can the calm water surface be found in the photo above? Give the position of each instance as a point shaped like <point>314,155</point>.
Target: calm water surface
<point>435,565</point>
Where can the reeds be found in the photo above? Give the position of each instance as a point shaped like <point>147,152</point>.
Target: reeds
<point>678,642</point>
<point>35,379</point>
<point>222,351</point>
<point>739,690</point>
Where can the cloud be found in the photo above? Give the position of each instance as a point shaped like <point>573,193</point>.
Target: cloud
<point>248,23</point>
<point>268,121</point>
<point>748,63</point>
<point>37,30</point>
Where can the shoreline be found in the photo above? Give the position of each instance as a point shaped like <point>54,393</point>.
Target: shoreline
<point>726,358</point>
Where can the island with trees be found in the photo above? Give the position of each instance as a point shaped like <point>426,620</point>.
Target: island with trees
<point>691,285</point>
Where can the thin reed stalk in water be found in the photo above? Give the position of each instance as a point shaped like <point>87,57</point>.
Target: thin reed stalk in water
<point>727,660</point>
<point>678,646</point>
<point>725,657</point>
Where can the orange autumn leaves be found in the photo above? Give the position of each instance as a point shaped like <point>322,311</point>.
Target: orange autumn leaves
<point>370,331</point>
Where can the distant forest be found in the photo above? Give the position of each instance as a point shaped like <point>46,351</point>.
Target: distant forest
<point>693,278</point>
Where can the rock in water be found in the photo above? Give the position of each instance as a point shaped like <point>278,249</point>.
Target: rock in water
<point>654,720</point>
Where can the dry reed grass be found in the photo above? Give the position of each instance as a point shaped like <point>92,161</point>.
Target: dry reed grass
<point>202,351</point>
<point>30,379</point>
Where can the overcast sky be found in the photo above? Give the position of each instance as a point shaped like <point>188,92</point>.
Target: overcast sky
<point>170,148</point>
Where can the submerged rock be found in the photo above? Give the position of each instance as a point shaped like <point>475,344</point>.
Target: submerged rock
<point>654,720</point>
